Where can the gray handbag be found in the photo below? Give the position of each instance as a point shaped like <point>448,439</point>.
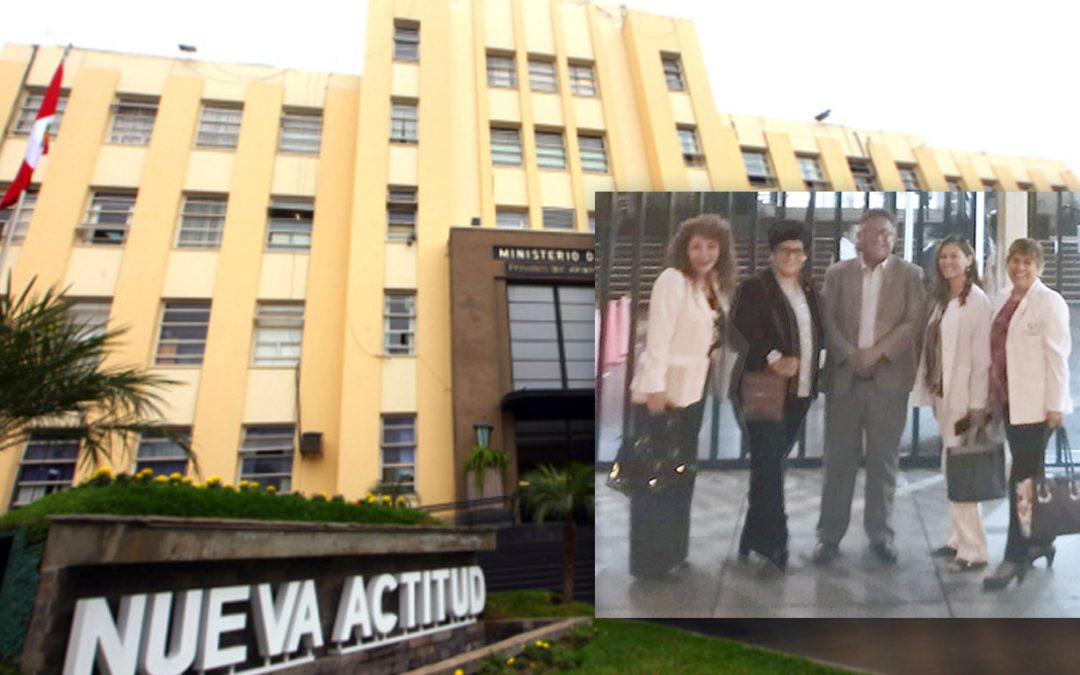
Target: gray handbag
<point>1056,504</point>
<point>975,471</point>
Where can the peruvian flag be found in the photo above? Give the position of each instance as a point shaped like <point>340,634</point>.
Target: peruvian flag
<point>39,140</point>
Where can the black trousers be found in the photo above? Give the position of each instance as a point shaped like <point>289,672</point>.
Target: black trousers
<point>660,519</point>
<point>1027,443</point>
<point>765,529</point>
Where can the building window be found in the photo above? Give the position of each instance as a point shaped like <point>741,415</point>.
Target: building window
<point>691,149</point>
<point>757,168</point>
<point>953,184</point>
<point>219,126</point>
<point>279,332</point>
<point>813,176</point>
<point>202,220</point>
<point>582,79</point>
<point>990,185</point>
<point>863,175</point>
<point>505,146</point>
<point>48,465</point>
<point>162,453</point>
<point>551,336</point>
<point>401,214</point>
<point>28,111</point>
<point>592,221</point>
<point>558,218</point>
<point>403,123</point>
<point>289,228</point>
<point>550,152</point>
<point>182,339</point>
<point>673,72</point>
<point>910,178</point>
<point>512,219</point>
<point>1024,187</point>
<point>133,121</point>
<point>500,71</point>
<point>108,218</point>
<point>399,324</point>
<point>593,153</point>
<point>300,132</point>
<point>406,41</point>
<point>91,315</point>
<point>399,451</point>
<point>542,75</point>
<point>266,456</point>
<point>29,201</point>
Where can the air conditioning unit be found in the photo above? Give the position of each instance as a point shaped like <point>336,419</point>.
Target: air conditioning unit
<point>311,443</point>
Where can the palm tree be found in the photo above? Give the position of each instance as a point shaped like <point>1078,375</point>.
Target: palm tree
<point>52,375</point>
<point>561,493</point>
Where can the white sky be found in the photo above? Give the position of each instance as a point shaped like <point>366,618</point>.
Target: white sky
<point>956,72</point>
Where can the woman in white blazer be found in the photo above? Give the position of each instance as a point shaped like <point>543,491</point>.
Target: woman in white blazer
<point>952,379</point>
<point>1029,384</point>
<point>688,302</point>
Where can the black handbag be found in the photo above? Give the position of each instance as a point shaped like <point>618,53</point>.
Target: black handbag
<point>1056,504</point>
<point>655,458</point>
<point>975,471</point>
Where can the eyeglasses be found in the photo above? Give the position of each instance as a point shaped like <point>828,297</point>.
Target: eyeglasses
<point>791,251</point>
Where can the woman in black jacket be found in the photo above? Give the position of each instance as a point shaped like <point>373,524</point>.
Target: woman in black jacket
<point>778,312</point>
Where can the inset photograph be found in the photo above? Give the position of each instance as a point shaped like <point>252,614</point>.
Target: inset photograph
<point>836,404</point>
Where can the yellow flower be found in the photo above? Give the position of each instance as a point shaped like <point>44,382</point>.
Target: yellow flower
<point>161,479</point>
<point>539,643</point>
<point>386,499</point>
<point>213,480</point>
<point>244,483</point>
<point>103,471</point>
<point>175,476</point>
<point>271,489</point>
<point>322,494</point>
<point>459,671</point>
<point>371,499</point>
<point>229,486</point>
<point>187,480</point>
<point>254,484</point>
<point>510,661</point>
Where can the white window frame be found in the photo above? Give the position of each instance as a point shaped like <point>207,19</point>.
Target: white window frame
<point>158,449</point>
<point>399,341</point>
<point>865,178</point>
<point>813,174</point>
<point>110,231</point>
<point>909,177</point>
<point>406,41</point>
<point>278,334</point>
<point>395,423</point>
<point>92,314</point>
<point>289,223</point>
<point>404,122</point>
<point>179,320</point>
<point>501,70</point>
<point>222,132</point>
<point>29,201</point>
<point>543,75</point>
<point>550,149</point>
<point>506,146</point>
<point>559,218</point>
<point>28,112</point>
<point>41,488</point>
<point>202,221</point>
<point>582,79</point>
<point>673,72</point>
<point>401,213</point>
<point>511,219</point>
<point>593,151</point>
<point>133,121</point>
<point>273,441</point>
<point>690,145</point>
<point>758,170</point>
<point>301,132</point>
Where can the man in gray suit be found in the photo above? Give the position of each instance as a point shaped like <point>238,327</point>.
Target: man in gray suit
<point>873,318</point>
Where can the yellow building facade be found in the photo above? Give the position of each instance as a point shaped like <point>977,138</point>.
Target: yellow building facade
<point>208,206</point>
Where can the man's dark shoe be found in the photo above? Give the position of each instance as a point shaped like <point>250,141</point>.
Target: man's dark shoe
<point>885,552</point>
<point>824,553</point>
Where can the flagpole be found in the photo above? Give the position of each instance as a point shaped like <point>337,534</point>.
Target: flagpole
<point>9,233</point>
<point>22,88</point>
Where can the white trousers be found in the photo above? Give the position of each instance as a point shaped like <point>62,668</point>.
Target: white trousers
<point>967,535</point>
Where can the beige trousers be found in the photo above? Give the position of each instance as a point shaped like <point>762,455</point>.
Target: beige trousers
<point>967,535</point>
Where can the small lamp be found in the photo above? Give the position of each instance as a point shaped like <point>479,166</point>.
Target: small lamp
<point>483,430</point>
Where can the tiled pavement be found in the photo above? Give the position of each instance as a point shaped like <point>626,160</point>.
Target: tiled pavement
<point>715,584</point>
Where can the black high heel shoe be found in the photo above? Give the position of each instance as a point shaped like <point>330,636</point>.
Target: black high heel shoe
<point>1047,552</point>
<point>1004,574</point>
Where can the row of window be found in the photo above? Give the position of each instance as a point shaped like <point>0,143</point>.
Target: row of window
<point>550,149</point>
<point>266,456</point>
<point>543,76</point>
<point>219,123</point>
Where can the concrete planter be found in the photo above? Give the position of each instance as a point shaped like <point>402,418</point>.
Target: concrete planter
<point>122,561</point>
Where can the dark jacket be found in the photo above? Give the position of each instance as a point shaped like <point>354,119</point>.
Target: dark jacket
<point>762,315</point>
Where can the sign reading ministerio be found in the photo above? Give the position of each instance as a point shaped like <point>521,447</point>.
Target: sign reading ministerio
<point>207,628</point>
